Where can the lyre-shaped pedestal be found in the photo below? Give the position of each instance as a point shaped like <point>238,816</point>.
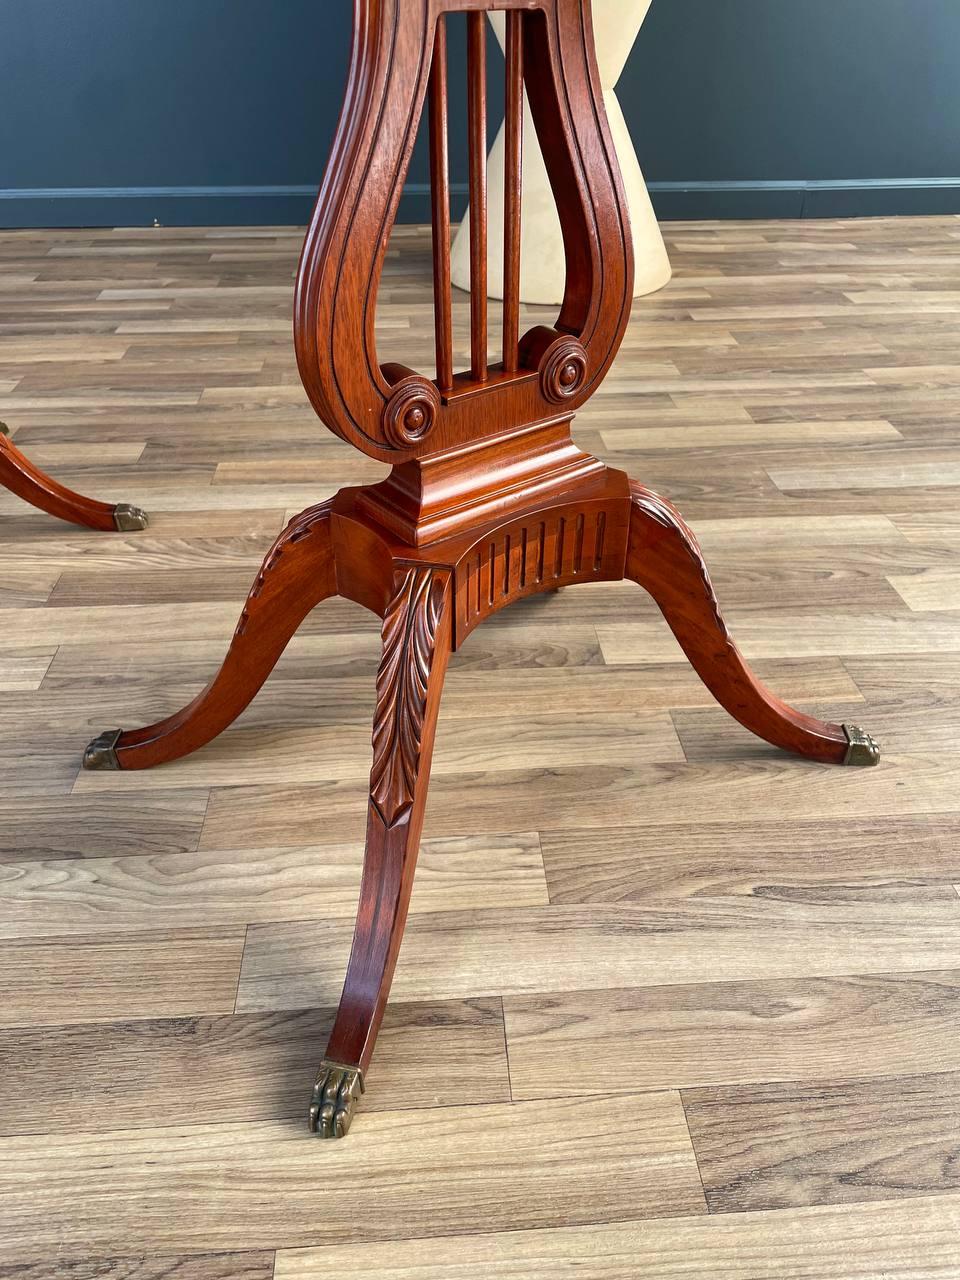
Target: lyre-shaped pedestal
<point>489,500</point>
<point>617,24</point>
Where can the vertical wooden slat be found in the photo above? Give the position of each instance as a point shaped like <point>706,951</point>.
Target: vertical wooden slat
<point>513,179</point>
<point>440,207</point>
<point>477,127</point>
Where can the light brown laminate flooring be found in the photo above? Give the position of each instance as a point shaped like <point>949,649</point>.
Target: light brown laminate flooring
<point>671,1004</point>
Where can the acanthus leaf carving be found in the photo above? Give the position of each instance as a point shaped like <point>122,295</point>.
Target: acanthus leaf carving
<point>410,627</point>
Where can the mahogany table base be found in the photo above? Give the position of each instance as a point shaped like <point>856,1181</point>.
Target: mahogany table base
<point>489,500</point>
<point>602,527</point>
<point>20,476</point>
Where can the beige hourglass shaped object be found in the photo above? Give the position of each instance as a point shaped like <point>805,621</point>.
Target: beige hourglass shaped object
<point>616,26</point>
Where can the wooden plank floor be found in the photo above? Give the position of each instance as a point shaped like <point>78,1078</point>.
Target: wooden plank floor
<point>671,1004</point>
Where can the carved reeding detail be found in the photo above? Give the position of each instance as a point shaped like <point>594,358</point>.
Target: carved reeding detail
<point>409,642</point>
<point>300,527</point>
<point>658,509</point>
<point>524,558</point>
<point>411,412</point>
<point>563,370</point>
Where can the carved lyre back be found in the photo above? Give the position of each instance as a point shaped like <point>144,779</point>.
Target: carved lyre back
<point>399,69</point>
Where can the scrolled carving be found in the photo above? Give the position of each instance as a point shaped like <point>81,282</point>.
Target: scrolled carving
<point>668,517</point>
<point>302,526</point>
<point>409,640</point>
<point>411,412</point>
<point>563,369</point>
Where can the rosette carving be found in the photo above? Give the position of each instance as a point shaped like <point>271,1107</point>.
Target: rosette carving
<point>411,412</point>
<point>409,641</point>
<point>563,369</point>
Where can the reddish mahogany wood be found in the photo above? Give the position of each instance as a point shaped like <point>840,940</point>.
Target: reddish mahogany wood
<point>513,186</point>
<point>417,637</point>
<point>440,208</point>
<point>296,575</point>
<point>665,559</point>
<point>488,500</point>
<point>345,247</point>
<point>477,133</point>
<point>20,476</point>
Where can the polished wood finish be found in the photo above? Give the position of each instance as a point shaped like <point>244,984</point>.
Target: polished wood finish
<point>489,501</point>
<point>401,421</point>
<point>665,558</point>
<point>20,476</point>
<point>296,575</point>
<point>513,189</point>
<point>617,884</point>
<point>477,157</point>
<point>417,639</point>
<point>440,207</point>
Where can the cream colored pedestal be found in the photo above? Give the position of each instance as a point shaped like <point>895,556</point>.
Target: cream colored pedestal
<point>616,26</point>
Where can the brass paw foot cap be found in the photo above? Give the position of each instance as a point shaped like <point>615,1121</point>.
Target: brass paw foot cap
<point>128,518</point>
<point>102,751</point>
<point>335,1095</point>
<point>862,749</point>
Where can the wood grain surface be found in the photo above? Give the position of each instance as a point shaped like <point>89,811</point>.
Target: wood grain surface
<point>670,1004</point>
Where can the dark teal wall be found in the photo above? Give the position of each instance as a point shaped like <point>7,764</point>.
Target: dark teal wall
<point>133,94</point>
<point>811,93</point>
<point>125,111</point>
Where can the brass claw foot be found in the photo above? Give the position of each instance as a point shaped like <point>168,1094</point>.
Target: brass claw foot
<point>101,753</point>
<point>128,518</point>
<point>863,750</point>
<point>334,1096</point>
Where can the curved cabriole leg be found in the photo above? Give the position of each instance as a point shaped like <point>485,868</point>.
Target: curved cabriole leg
<point>297,574</point>
<point>664,558</point>
<point>416,646</point>
<point>20,476</point>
